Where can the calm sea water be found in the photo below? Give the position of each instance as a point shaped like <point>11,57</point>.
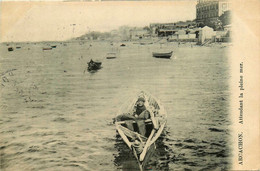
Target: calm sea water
<point>57,116</point>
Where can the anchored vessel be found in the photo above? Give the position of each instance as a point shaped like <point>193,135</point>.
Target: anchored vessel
<point>111,55</point>
<point>94,65</point>
<point>162,54</point>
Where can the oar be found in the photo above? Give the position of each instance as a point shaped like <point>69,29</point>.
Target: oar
<point>154,121</point>
<point>146,146</point>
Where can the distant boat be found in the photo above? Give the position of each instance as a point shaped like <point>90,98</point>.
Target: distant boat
<point>47,48</point>
<point>122,45</point>
<point>146,43</point>
<point>111,55</point>
<point>94,65</point>
<point>53,46</point>
<point>10,49</point>
<point>162,54</point>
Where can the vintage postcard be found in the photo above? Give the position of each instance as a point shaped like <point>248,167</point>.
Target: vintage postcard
<point>129,85</point>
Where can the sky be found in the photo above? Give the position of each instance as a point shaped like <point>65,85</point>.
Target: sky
<point>56,21</point>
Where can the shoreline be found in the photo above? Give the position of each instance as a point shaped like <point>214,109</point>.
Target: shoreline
<point>81,42</point>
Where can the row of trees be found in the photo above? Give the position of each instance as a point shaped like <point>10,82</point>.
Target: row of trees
<point>94,35</point>
<point>123,32</point>
<point>219,23</point>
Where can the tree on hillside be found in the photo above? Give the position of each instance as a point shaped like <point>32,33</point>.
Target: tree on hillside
<point>148,29</point>
<point>201,25</point>
<point>94,35</point>
<point>225,18</point>
<point>216,24</point>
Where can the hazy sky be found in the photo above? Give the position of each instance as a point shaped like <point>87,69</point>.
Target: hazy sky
<point>37,21</point>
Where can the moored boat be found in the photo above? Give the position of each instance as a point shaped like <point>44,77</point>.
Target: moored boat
<point>10,49</point>
<point>142,145</point>
<point>111,55</point>
<point>48,48</point>
<point>162,54</point>
<point>146,43</point>
<point>94,65</point>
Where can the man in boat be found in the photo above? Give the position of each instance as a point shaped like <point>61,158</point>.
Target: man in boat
<point>140,111</point>
<point>139,115</point>
<point>92,65</point>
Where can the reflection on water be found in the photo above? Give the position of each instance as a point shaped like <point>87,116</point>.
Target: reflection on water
<point>165,155</point>
<point>125,159</point>
<point>55,116</point>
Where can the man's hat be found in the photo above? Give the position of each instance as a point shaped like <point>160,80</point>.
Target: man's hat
<point>141,99</point>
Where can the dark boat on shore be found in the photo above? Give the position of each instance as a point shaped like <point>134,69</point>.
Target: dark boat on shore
<point>94,65</point>
<point>162,54</point>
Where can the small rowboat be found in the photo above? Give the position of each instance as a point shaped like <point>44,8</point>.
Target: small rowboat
<point>146,43</point>
<point>162,54</point>
<point>94,65</point>
<point>47,48</point>
<point>10,49</point>
<point>111,55</point>
<point>142,146</point>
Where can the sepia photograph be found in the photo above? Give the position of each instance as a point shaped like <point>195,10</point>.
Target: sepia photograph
<point>129,85</point>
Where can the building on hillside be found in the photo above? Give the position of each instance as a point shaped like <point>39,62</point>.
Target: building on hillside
<point>210,9</point>
<point>179,24</point>
<point>138,33</point>
<point>168,29</point>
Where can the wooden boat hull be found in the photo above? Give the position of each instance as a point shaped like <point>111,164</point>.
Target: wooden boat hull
<point>94,65</point>
<point>10,49</point>
<point>146,43</point>
<point>162,55</point>
<point>158,120</point>
<point>46,48</point>
<point>111,55</point>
